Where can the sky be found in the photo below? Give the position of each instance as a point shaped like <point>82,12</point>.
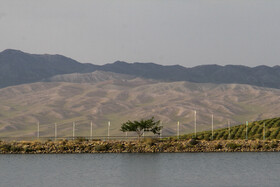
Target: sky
<point>168,32</point>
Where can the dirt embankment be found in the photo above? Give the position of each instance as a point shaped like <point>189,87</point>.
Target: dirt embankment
<point>146,146</point>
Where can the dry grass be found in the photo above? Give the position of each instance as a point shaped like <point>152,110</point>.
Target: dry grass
<point>119,100</point>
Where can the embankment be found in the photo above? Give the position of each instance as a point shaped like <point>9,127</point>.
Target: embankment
<point>146,146</point>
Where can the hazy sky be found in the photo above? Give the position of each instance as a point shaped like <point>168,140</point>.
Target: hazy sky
<point>185,32</point>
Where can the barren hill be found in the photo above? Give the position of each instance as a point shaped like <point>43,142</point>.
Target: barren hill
<point>118,99</point>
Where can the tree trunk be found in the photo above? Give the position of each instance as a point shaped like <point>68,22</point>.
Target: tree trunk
<point>139,135</point>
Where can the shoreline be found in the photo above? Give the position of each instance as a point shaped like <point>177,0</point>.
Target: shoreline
<point>144,146</point>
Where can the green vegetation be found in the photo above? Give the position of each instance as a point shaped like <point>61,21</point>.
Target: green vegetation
<point>149,125</point>
<point>255,130</point>
<point>193,142</point>
<point>233,145</point>
<point>147,145</point>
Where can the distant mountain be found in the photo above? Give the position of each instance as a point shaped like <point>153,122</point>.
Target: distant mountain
<point>259,76</point>
<point>17,67</point>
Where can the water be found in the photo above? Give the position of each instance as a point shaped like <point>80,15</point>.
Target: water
<point>132,170</point>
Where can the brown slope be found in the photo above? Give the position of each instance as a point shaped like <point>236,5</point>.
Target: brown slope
<point>118,100</point>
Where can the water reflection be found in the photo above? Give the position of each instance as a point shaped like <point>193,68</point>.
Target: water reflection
<point>162,169</point>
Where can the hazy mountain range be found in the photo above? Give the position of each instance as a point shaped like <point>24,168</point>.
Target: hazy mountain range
<point>17,67</point>
<point>55,89</point>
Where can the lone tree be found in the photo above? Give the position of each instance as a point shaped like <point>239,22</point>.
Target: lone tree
<point>140,126</point>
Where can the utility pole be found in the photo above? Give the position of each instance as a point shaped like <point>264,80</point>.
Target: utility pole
<point>109,124</point>
<point>74,130</point>
<point>264,131</point>
<point>38,130</point>
<point>246,130</point>
<point>178,129</point>
<point>195,123</point>
<point>55,131</point>
<point>160,132</point>
<point>228,129</point>
<point>212,126</point>
<point>91,130</point>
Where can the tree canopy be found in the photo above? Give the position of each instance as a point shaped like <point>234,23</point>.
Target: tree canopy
<point>140,126</point>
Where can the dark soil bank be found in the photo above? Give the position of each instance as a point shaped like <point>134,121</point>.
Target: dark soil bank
<point>145,146</point>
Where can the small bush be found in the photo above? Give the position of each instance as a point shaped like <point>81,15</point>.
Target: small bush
<point>220,135</point>
<point>233,145</point>
<point>150,141</point>
<point>258,136</point>
<point>119,146</point>
<point>189,146</point>
<point>200,136</point>
<point>62,147</point>
<point>218,146</point>
<point>165,146</point>
<point>274,145</point>
<point>102,147</point>
<point>64,142</point>
<point>28,149</point>
<point>257,146</point>
<point>225,136</point>
<point>207,137</point>
<point>180,147</point>
<point>214,135</point>
<point>16,149</point>
<point>80,139</point>
<point>193,142</point>
<point>130,147</point>
<point>6,147</point>
<point>267,134</point>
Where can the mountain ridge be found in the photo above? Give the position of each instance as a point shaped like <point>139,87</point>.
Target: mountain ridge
<point>17,67</point>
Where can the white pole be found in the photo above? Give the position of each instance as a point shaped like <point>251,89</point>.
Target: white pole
<point>195,123</point>
<point>178,129</point>
<point>212,126</point>
<point>38,130</point>
<point>160,133</point>
<point>91,130</point>
<point>126,134</point>
<point>246,130</point>
<point>109,124</point>
<point>264,131</point>
<point>55,131</point>
<point>228,129</point>
<point>73,130</point>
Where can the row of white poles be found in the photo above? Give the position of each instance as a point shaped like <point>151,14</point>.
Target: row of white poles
<point>212,125</point>
<point>195,125</point>
<point>178,129</point>
<point>73,131</point>
<point>109,124</point>
<point>91,130</point>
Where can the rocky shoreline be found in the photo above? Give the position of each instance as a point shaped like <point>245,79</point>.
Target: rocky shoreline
<point>144,146</point>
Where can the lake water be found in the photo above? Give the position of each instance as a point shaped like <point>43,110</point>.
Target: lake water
<point>132,170</point>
